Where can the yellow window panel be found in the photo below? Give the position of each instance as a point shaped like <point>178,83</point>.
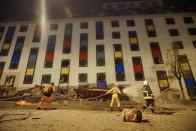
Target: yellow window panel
<point>29,71</point>
<point>150,28</point>
<point>133,40</point>
<point>6,46</point>
<point>185,66</point>
<point>118,54</point>
<point>163,83</point>
<point>65,71</point>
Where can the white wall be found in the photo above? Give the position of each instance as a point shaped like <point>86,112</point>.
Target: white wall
<point>134,87</point>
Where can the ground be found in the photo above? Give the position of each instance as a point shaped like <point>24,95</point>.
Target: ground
<point>95,116</point>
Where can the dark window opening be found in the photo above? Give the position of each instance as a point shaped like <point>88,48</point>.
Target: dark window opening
<point>116,35</point>
<point>170,21</point>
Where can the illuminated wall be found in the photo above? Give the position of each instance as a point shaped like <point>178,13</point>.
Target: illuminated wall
<point>99,52</point>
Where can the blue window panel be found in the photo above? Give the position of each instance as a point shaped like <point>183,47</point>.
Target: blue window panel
<point>134,47</point>
<point>15,58</point>
<point>119,69</point>
<point>19,45</point>
<point>190,83</point>
<point>101,84</point>
<point>32,57</point>
<point>50,45</point>
<point>99,30</point>
<point>100,55</point>
<point>9,35</point>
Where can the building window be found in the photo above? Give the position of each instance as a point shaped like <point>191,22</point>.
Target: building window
<point>83,55</point>
<point>118,60</point>
<point>116,35</point>
<point>23,28</point>
<point>130,23</point>
<point>67,38</point>
<point>53,26</point>
<point>162,80</point>
<point>115,23</point>
<point>192,31</point>
<point>150,28</point>
<point>46,78</point>
<point>82,77</point>
<point>188,20</point>
<point>17,52</point>
<point>1,32</point>
<point>173,32</point>
<point>188,76</point>
<point>138,68</point>
<point>50,51</point>
<point>133,41</point>
<point>194,43</point>
<point>7,41</point>
<point>178,45</point>
<point>170,21</point>
<point>37,34</point>
<point>99,30</point>
<point>100,55</point>
<point>64,74</point>
<point>2,64</point>
<point>28,79</point>
<point>84,25</point>
<point>156,53</point>
<point>101,80</point>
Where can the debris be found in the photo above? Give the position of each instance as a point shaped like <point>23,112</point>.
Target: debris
<point>23,103</point>
<point>9,117</point>
<point>169,95</point>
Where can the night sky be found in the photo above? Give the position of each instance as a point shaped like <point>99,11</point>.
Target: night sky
<point>30,9</point>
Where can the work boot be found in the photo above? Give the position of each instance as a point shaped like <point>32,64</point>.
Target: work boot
<point>152,110</point>
<point>111,108</point>
<point>38,108</point>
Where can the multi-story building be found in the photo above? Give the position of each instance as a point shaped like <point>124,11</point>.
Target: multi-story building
<point>99,50</point>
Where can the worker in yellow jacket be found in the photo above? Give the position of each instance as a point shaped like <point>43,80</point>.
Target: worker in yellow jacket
<point>115,92</point>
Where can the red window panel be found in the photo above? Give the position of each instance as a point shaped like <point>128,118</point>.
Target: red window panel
<point>138,68</point>
<point>49,57</point>
<point>83,55</point>
<point>37,34</point>
<point>67,43</point>
<point>156,53</point>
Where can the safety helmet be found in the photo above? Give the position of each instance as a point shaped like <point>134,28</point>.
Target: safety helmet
<point>116,84</point>
<point>145,82</point>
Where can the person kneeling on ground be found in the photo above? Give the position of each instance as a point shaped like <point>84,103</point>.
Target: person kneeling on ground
<point>46,99</point>
<point>148,96</point>
<point>132,115</point>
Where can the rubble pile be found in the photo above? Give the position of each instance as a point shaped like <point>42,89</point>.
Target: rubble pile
<point>169,95</point>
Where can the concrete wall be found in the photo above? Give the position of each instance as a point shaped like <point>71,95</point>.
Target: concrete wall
<point>134,87</point>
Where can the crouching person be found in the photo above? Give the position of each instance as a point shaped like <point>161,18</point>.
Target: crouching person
<point>46,99</point>
<point>132,115</point>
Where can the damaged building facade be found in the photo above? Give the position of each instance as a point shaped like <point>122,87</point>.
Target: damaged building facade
<point>99,51</point>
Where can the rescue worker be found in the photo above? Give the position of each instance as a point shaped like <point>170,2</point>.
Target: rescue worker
<point>115,96</point>
<point>148,96</point>
<point>46,99</point>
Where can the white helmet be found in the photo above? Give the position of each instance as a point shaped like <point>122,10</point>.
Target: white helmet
<point>116,84</point>
<point>145,82</point>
